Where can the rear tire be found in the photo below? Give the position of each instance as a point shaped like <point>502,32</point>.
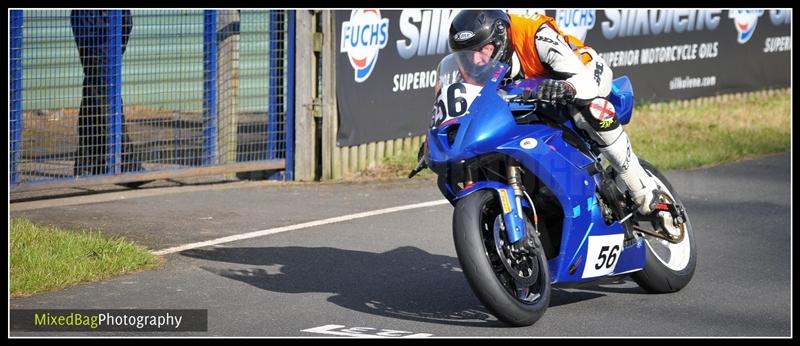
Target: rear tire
<point>669,267</point>
<point>473,218</point>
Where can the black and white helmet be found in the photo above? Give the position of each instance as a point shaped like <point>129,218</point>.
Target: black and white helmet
<point>473,29</point>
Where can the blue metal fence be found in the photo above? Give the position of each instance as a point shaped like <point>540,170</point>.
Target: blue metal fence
<point>275,78</point>
<point>290,25</point>
<point>114,81</point>
<point>209,86</point>
<point>118,95</point>
<point>15,121</point>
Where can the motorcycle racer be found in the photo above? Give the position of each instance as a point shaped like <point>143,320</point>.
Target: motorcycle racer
<point>579,78</point>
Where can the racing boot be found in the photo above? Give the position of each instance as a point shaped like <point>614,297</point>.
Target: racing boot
<point>642,187</point>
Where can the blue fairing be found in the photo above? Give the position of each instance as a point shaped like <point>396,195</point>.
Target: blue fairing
<point>480,130</point>
<point>563,169</point>
<point>489,127</point>
<point>622,98</point>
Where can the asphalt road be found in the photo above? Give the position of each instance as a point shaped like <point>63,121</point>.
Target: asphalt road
<point>397,274</point>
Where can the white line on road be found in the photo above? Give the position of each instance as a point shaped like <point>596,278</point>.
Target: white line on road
<point>270,231</point>
<point>363,332</point>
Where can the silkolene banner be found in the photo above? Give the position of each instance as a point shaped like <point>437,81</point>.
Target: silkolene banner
<point>386,61</point>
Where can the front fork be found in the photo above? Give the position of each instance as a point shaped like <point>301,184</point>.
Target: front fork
<point>530,237</point>
<point>513,198</point>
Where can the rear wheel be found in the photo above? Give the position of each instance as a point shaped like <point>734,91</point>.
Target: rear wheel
<point>513,283</point>
<point>670,263</point>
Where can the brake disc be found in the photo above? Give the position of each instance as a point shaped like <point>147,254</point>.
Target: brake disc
<point>523,268</point>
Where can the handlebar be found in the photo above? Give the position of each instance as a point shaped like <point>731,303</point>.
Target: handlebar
<point>526,100</point>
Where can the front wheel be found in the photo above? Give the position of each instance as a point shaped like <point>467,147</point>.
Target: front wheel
<point>512,283</point>
<point>669,265</point>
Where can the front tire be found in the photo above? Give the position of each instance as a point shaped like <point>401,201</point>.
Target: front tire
<point>475,230</point>
<point>669,266</point>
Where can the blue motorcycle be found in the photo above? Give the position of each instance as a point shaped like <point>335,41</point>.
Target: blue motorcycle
<point>536,204</point>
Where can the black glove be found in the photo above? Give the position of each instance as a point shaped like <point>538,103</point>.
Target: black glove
<point>556,90</point>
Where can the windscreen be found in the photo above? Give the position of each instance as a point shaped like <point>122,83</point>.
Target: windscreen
<point>460,78</point>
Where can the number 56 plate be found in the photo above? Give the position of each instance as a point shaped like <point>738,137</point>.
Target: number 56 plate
<point>602,255</point>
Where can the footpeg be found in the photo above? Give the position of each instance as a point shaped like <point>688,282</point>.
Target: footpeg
<point>676,211</point>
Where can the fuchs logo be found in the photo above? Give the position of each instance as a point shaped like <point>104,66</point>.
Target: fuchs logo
<point>575,22</point>
<point>745,22</point>
<point>362,38</point>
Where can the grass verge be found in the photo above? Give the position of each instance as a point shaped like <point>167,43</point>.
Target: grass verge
<point>45,258</point>
<point>678,135</point>
<point>391,167</point>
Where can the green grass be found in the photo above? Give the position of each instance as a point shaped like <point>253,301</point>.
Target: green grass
<point>403,164</point>
<point>677,136</point>
<point>46,258</point>
<point>683,137</point>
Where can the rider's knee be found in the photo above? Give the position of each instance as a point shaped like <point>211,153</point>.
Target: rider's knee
<point>600,120</point>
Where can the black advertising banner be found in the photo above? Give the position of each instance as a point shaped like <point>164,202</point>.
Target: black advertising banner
<point>386,61</point>
<point>680,54</point>
<point>385,71</point>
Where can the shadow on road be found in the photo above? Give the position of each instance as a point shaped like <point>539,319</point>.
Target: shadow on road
<point>614,285</point>
<point>407,282</point>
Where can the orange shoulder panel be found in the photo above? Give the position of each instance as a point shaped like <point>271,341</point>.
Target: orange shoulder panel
<point>523,37</point>
<point>522,34</point>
